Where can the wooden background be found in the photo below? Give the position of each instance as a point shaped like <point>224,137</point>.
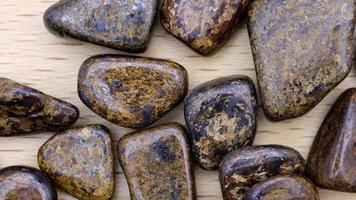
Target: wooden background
<point>32,56</point>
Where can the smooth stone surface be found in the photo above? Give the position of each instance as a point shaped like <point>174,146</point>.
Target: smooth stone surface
<point>157,163</point>
<point>243,168</point>
<point>221,117</point>
<point>302,50</point>
<point>25,183</point>
<point>81,162</point>
<point>283,187</point>
<point>124,25</point>
<point>131,91</point>
<point>24,110</point>
<point>332,158</point>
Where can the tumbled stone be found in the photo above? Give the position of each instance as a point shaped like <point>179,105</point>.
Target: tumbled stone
<point>157,163</point>
<point>243,168</point>
<point>124,25</point>
<point>81,162</point>
<point>202,25</point>
<point>221,117</point>
<point>131,91</point>
<point>302,50</point>
<point>24,110</point>
<point>25,183</point>
<point>283,187</point>
<point>332,158</point>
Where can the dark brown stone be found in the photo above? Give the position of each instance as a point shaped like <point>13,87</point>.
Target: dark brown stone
<point>221,117</point>
<point>81,162</point>
<point>157,163</point>
<point>243,168</point>
<point>332,158</point>
<point>302,50</point>
<point>124,25</point>
<point>202,25</point>
<point>24,110</point>
<point>131,91</point>
<point>25,183</point>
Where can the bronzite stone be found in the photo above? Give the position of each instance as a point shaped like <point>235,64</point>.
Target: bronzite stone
<point>24,110</point>
<point>332,158</point>
<point>124,25</point>
<point>203,25</point>
<point>157,163</point>
<point>81,162</point>
<point>25,183</point>
<point>131,91</point>
<point>243,168</point>
<point>221,117</point>
<point>302,50</point>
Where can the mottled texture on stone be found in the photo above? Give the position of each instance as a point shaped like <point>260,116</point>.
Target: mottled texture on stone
<point>124,25</point>
<point>25,183</point>
<point>81,162</point>
<point>131,91</point>
<point>202,25</point>
<point>24,110</point>
<point>243,168</point>
<point>221,117</point>
<point>302,50</point>
<point>332,158</point>
<point>283,187</point>
<point>157,163</point>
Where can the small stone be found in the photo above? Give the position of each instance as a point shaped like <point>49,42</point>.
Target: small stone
<point>221,117</point>
<point>302,50</point>
<point>283,187</point>
<point>243,168</point>
<point>332,158</point>
<point>25,183</point>
<point>202,25</point>
<point>24,110</point>
<point>124,25</point>
<point>81,162</point>
<point>131,91</point>
<point>157,163</point>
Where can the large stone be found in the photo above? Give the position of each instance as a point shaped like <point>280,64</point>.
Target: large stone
<point>302,50</point>
<point>24,110</point>
<point>124,25</point>
<point>221,117</point>
<point>202,25</point>
<point>332,158</point>
<point>157,163</point>
<point>131,91</point>
<point>81,162</point>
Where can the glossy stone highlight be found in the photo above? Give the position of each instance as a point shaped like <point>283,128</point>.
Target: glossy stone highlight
<point>221,117</point>
<point>157,163</point>
<point>131,91</point>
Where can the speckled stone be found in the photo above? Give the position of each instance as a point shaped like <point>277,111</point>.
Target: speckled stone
<point>221,117</point>
<point>283,187</point>
<point>131,91</point>
<point>202,25</point>
<point>24,110</point>
<point>81,162</point>
<point>332,158</point>
<point>121,24</point>
<point>243,168</point>
<point>25,183</point>
<point>302,50</point>
<point>157,163</point>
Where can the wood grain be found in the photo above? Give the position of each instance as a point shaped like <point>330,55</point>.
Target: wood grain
<point>32,56</point>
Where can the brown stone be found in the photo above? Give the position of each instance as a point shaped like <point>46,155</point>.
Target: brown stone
<point>24,110</point>
<point>157,163</point>
<point>81,162</point>
<point>131,91</point>
<point>332,158</point>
